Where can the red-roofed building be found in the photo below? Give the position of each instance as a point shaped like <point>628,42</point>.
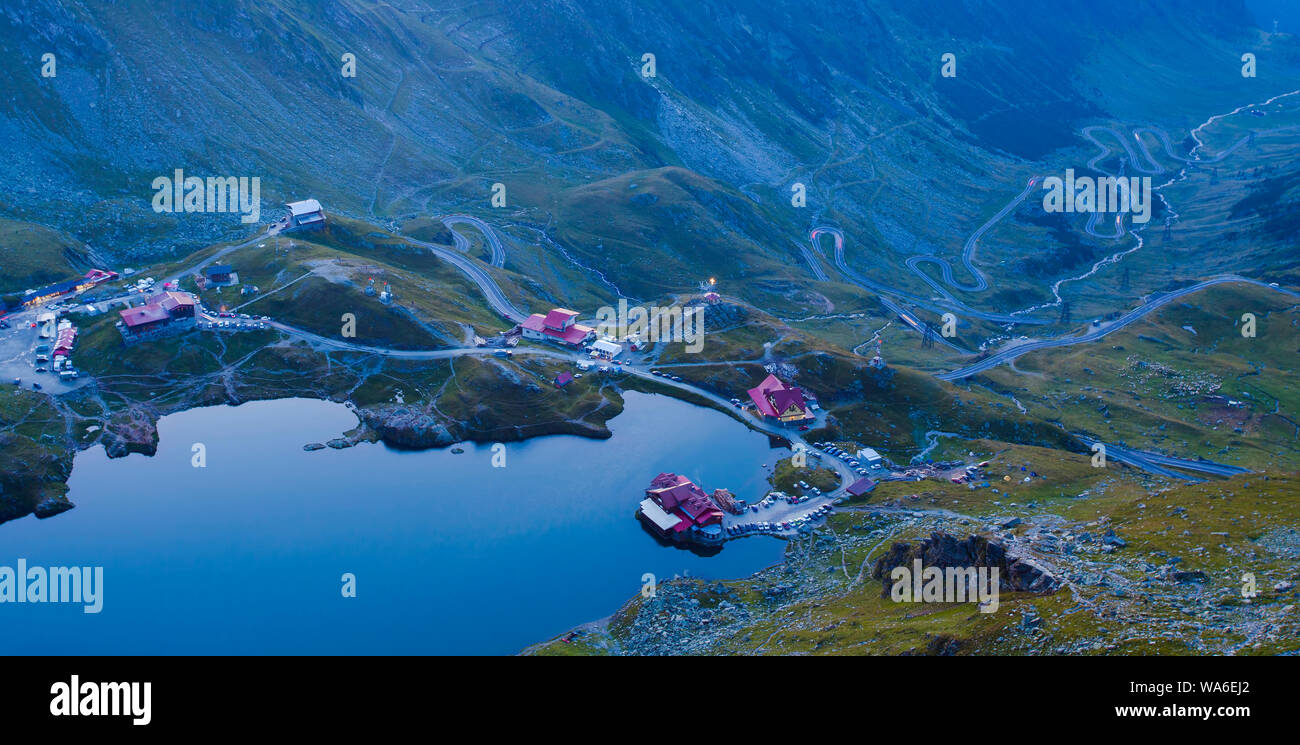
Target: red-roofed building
<point>165,313</point>
<point>100,276</point>
<point>563,379</point>
<point>861,486</point>
<point>66,339</point>
<point>779,400</point>
<point>177,304</point>
<point>680,510</point>
<point>560,325</point>
<point>145,318</point>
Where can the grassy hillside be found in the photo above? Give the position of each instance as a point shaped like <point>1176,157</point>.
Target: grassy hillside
<point>1173,586</point>
<point>1165,382</point>
<point>32,256</point>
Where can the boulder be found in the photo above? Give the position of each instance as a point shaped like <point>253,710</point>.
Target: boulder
<point>944,550</point>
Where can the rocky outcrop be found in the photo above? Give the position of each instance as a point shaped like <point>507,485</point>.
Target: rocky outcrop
<point>132,431</point>
<point>51,506</point>
<point>407,427</point>
<point>944,550</point>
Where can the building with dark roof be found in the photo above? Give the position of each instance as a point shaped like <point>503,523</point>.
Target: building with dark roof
<point>861,486</point>
<point>56,291</point>
<point>219,273</point>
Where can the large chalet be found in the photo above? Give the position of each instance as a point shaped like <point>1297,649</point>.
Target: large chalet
<point>560,325</point>
<point>164,314</point>
<point>678,510</point>
<point>776,399</point>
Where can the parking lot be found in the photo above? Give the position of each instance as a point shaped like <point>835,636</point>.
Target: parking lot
<point>778,514</point>
<point>226,321</point>
<point>18,356</point>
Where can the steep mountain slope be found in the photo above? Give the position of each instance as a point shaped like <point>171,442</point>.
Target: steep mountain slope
<point>549,99</point>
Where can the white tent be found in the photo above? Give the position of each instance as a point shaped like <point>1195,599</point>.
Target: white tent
<point>607,349</point>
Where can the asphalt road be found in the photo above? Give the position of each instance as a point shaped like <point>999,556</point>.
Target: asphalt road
<point>881,289</point>
<point>479,276</point>
<point>498,251</point>
<point>1007,355</point>
<point>968,251</point>
<point>1163,464</point>
<point>847,476</point>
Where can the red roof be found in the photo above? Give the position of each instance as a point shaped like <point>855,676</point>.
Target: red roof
<point>861,486</point>
<point>535,322</point>
<point>668,479</point>
<point>557,318</point>
<point>99,275</point>
<point>575,334</point>
<point>563,379</point>
<point>144,315</point>
<point>678,496</point>
<point>172,300</point>
<point>773,398</point>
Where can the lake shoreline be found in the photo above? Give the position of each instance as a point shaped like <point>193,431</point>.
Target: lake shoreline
<point>452,554</point>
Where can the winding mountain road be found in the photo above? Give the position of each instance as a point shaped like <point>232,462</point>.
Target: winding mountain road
<point>498,251</point>
<point>1007,355</point>
<point>967,252</point>
<point>882,289</point>
<point>496,298</point>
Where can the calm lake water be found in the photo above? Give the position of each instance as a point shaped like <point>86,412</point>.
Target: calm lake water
<point>450,555</point>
